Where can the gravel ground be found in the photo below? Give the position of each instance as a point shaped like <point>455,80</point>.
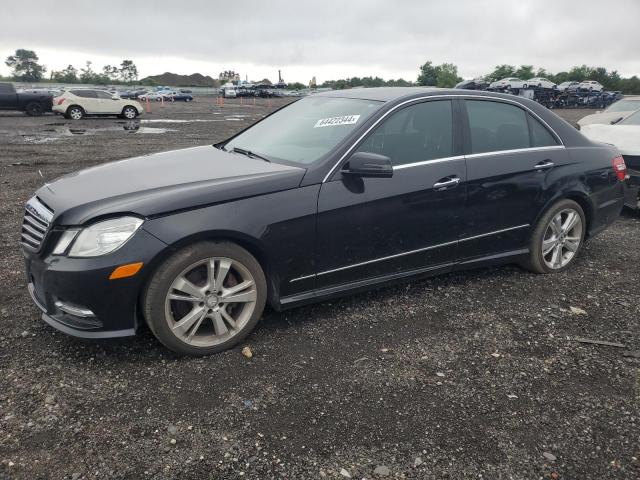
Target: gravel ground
<point>468,375</point>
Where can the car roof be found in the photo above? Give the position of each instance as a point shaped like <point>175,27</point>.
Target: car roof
<point>392,94</point>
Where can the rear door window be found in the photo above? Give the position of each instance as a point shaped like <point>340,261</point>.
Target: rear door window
<point>496,126</point>
<point>105,95</point>
<point>540,135</point>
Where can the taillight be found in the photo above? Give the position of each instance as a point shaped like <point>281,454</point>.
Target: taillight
<point>61,101</point>
<point>619,167</point>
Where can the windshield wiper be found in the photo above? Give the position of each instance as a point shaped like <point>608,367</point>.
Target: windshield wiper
<point>249,154</point>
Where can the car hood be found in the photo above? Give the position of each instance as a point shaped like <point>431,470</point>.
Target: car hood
<point>156,184</point>
<point>604,117</point>
<point>625,137</point>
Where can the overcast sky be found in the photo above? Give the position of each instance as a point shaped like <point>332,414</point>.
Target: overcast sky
<point>327,39</point>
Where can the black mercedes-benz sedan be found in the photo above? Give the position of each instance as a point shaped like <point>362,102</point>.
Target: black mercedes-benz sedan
<point>337,192</point>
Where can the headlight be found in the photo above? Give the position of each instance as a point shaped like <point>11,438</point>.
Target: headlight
<point>104,237</point>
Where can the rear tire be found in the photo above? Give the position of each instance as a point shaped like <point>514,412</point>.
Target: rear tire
<point>557,238</point>
<point>34,109</point>
<point>190,303</point>
<point>74,112</point>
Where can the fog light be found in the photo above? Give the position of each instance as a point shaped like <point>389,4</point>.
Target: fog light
<point>74,310</point>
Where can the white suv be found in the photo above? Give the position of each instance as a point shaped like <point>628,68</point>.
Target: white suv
<point>591,85</point>
<point>77,102</point>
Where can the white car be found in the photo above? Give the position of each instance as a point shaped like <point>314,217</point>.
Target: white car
<point>614,113</point>
<point>625,135</point>
<point>230,93</point>
<point>568,86</point>
<point>540,82</point>
<point>591,85</point>
<point>512,83</point>
<point>154,96</point>
<point>77,103</point>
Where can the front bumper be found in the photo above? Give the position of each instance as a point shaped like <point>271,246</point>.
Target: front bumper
<point>76,296</point>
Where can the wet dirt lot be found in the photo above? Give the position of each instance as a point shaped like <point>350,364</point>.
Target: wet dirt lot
<point>468,375</point>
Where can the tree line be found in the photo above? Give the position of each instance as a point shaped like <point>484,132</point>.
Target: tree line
<point>446,76</point>
<point>26,68</point>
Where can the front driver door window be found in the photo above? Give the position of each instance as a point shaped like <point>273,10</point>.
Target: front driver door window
<point>368,227</point>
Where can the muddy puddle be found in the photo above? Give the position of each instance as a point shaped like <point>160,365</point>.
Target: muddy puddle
<point>60,130</point>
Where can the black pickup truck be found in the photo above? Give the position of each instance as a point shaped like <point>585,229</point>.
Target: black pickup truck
<point>33,104</point>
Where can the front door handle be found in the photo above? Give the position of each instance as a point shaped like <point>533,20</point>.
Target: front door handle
<point>544,164</point>
<point>445,183</point>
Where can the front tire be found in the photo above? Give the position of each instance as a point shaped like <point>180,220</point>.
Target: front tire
<point>205,298</point>
<point>557,238</point>
<point>129,113</point>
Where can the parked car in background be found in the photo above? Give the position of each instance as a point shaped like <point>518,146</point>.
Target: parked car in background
<point>475,84</point>
<point>33,104</point>
<point>591,85</point>
<point>185,90</point>
<point>77,103</point>
<point>335,193</point>
<point>568,86</point>
<point>540,82</point>
<point>181,97</point>
<point>508,83</point>
<point>625,135</point>
<point>614,113</point>
<point>153,96</point>
<point>229,92</point>
<point>132,94</point>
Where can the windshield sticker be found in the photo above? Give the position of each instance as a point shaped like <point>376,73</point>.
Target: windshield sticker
<point>333,121</point>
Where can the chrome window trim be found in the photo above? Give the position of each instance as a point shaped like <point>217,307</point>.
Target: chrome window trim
<point>515,150</point>
<point>452,97</point>
<point>388,257</point>
<point>424,162</point>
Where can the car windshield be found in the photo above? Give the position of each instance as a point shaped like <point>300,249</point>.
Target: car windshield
<point>633,119</point>
<point>305,130</point>
<point>624,105</point>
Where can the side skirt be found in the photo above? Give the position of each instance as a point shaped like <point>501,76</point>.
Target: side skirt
<point>313,296</point>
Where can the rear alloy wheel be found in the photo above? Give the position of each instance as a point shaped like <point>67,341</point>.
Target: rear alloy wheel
<point>75,113</point>
<point>206,298</point>
<point>129,113</point>
<point>557,238</point>
<point>34,109</point>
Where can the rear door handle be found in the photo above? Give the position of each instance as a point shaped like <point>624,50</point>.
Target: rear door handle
<point>445,183</point>
<point>544,164</point>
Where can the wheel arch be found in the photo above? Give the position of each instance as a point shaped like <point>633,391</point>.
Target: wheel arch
<point>581,198</point>
<point>75,105</point>
<point>252,245</point>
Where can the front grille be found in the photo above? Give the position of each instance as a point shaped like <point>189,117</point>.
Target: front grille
<point>37,218</point>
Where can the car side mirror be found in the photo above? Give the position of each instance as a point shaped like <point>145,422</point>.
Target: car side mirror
<point>366,164</point>
<point>115,97</point>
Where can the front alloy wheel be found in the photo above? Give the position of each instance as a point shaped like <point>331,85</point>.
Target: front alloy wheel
<point>129,113</point>
<point>210,301</point>
<point>205,298</point>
